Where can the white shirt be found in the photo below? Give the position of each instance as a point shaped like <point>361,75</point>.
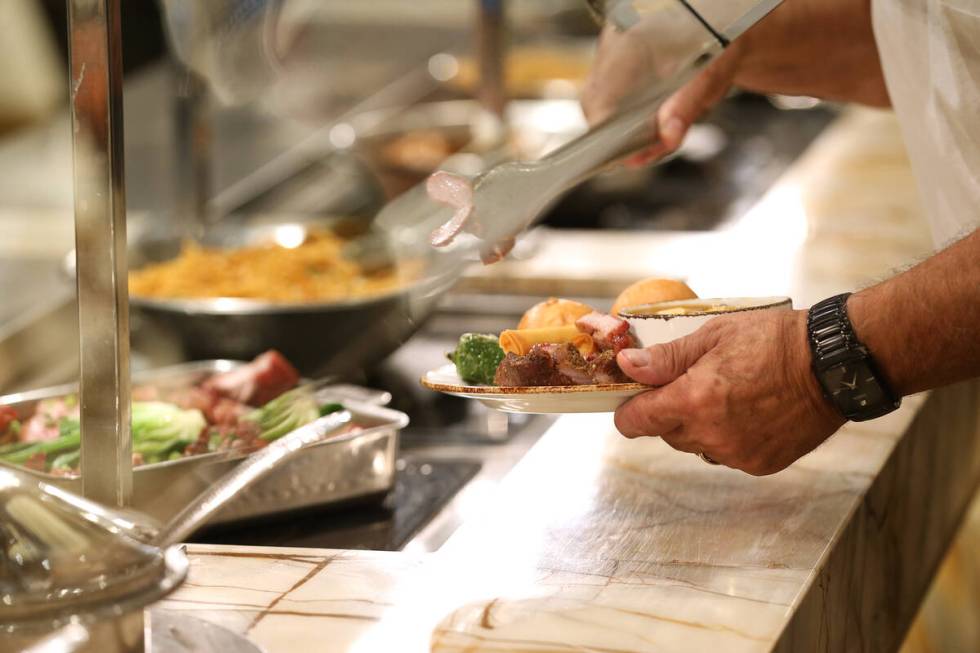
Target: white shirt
<point>930,52</point>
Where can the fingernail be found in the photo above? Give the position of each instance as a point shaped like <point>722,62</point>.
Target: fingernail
<point>637,357</point>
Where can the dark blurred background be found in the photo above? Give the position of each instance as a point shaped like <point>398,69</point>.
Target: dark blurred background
<point>142,26</point>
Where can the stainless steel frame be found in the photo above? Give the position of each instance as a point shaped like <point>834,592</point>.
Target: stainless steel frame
<point>100,240</point>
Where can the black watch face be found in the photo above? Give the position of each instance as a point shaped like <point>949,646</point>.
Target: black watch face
<point>854,388</point>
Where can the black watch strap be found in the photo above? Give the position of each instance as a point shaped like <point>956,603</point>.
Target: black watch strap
<point>843,365</point>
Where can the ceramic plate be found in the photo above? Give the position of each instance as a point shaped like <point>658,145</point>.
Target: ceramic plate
<point>604,398</point>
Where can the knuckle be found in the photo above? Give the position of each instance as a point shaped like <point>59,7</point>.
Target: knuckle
<point>701,396</point>
<point>665,356</point>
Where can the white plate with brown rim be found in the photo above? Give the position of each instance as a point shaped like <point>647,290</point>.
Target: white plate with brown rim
<point>599,398</point>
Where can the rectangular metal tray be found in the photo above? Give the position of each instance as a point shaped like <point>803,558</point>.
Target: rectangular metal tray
<point>326,473</point>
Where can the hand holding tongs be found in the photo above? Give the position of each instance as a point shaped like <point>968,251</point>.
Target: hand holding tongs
<point>508,198</point>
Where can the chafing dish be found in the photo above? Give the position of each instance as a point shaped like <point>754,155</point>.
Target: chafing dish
<point>322,338</point>
<point>330,472</point>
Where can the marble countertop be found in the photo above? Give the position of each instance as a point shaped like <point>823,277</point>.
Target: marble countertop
<point>597,543</point>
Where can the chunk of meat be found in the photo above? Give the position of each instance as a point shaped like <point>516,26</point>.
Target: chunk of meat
<point>535,368</point>
<point>544,365</point>
<point>262,380</point>
<point>558,364</point>
<point>609,332</point>
<point>570,363</point>
<point>603,368</point>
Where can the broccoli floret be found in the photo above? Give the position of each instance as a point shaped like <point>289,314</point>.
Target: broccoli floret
<point>476,357</point>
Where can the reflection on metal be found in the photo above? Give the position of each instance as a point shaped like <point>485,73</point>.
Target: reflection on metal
<point>193,140</point>
<point>100,243</point>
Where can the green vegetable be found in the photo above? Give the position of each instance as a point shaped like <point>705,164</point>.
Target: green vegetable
<point>476,357</point>
<point>18,455</point>
<point>68,460</point>
<point>326,409</point>
<point>159,430</point>
<point>285,413</point>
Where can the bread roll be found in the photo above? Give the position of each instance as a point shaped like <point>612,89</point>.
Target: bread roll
<point>652,291</point>
<point>553,313</point>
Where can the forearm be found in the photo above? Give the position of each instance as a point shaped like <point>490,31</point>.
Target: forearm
<point>923,326</point>
<point>823,48</point>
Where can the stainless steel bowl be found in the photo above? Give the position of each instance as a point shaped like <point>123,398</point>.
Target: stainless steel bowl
<point>320,338</point>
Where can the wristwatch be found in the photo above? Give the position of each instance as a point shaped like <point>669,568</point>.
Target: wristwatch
<point>844,367</point>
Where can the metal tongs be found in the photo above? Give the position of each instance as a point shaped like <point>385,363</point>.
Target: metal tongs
<point>503,201</point>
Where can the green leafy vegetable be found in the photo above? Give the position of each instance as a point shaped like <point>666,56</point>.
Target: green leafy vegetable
<point>326,409</point>
<point>159,430</point>
<point>285,413</point>
<point>476,357</point>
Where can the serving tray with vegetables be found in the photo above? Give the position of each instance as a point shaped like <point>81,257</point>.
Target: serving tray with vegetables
<point>185,439</point>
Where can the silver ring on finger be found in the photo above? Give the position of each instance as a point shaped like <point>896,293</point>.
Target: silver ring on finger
<point>708,459</point>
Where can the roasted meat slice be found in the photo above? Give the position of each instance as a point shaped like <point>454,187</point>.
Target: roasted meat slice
<point>544,365</point>
<point>570,363</point>
<point>262,380</point>
<point>610,333</point>
<point>535,368</point>
<point>603,368</point>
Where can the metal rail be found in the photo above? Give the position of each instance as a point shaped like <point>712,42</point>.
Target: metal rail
<point>100,245</point>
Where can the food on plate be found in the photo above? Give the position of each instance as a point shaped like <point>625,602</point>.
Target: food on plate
<point>242,409</point>
<point>608,331</point>
<point>652,291</point>
<point>561,342</point>
<point>476,357</point>
<point>315,270</point>
<point>563,363</point>
<point>557,365</point>
<point>520,341</point>
<point>553,312</point>
<point>583,353</point>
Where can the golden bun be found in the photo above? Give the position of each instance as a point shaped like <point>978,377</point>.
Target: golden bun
<point>553,313</point>
<point>652,291</point>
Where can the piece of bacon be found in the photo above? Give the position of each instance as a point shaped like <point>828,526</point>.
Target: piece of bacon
<point>610,333</point>
<point>262,380</point>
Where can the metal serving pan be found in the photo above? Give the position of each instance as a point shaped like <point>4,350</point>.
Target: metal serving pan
<point>321,338</point>
<point>330,472</point>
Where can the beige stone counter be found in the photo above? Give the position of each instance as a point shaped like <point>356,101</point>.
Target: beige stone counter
<point>596,543</point>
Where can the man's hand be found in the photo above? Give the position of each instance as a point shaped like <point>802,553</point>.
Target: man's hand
<point>823,48</point>
<point>739,390</point>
